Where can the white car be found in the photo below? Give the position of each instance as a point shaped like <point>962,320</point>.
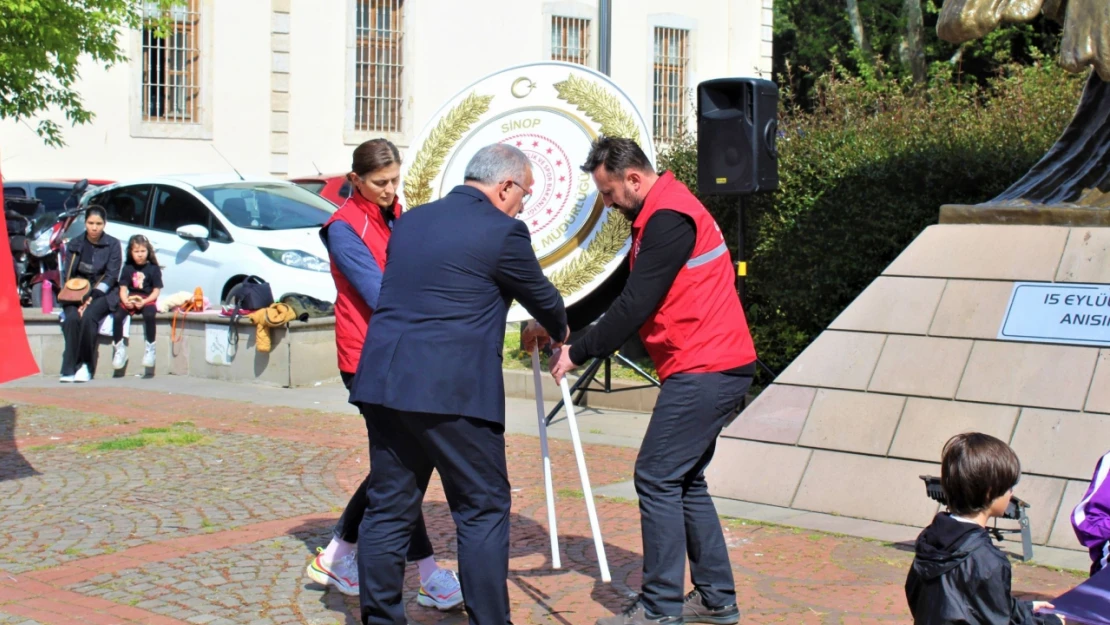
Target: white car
<point>213,231</point>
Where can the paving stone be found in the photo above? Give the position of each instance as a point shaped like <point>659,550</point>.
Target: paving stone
<point>154,504</point>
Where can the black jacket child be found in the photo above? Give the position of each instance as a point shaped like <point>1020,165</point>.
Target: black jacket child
<point>959,577</point>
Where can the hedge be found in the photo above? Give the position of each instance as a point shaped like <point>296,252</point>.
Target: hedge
<point>864,173</point>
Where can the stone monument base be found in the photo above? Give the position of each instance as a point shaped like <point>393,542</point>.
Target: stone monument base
<point>850,425</point>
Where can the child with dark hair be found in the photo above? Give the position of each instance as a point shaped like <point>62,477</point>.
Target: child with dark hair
<point>140,283</point>
<point>958,575</point>
<point>1091,518</point>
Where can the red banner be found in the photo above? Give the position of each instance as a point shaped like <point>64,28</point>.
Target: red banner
<point>17,361</point>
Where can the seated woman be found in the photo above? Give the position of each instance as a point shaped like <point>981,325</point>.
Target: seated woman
<point>96,256</point>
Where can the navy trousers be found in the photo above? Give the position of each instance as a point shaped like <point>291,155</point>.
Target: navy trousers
<point>674,500</point>
<point>469,455</point>
<point>346,529</point>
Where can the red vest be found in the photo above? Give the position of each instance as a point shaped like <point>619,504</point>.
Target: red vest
<point>699,327</point>
<point>352,315</point>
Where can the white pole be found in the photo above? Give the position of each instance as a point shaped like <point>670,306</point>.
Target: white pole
<point>602,563</point>
<point>556,563</point>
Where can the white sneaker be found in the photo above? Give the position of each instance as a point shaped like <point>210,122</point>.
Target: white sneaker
<point>82,374</point>
<point>149,355</point>
<point>65,379</point>
<point>442,591</point>
<point>119,359</point>
<point>343,574</point>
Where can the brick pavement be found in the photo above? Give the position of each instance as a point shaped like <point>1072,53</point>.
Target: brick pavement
<point>219,531</point>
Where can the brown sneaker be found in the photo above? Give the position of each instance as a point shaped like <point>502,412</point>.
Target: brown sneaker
<point>694,610</point>
<point>637,614</point>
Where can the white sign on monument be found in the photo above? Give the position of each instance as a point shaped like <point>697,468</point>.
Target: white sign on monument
<point>1058,313</point>
<point>552,112</point>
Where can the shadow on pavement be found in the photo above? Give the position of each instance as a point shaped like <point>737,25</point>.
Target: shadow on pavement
<point>527,537</point>
<point>13,465</point>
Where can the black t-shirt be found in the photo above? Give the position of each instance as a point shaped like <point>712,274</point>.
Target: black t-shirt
<point>141,280</point>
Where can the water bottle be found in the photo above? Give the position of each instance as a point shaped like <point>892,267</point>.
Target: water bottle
<point>47,297</point>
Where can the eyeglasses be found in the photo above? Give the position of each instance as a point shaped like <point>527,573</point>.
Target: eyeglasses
<point>527,193</point>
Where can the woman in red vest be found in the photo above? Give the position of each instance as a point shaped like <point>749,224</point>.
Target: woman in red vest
<point>356,237</point>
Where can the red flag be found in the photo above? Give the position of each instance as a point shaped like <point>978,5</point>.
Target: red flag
<point>17,361</point>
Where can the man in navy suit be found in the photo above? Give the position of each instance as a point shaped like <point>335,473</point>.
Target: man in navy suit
<point>429,382</point>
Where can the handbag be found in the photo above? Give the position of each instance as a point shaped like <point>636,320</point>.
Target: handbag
<point>75,289</point>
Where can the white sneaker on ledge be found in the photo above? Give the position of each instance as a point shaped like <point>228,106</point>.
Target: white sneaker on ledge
<point>149,355</point>
<point>119,358</point>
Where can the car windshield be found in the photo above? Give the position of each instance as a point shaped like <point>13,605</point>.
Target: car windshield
<point>53,198</point>
<point>268,205</point>
<point>315,186</point>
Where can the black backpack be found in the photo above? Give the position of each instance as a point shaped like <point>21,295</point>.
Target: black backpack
<point>251,294</point>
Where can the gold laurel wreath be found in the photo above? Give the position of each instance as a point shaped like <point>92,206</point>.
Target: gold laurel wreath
<point>448,132</point>
<point>605,109</point>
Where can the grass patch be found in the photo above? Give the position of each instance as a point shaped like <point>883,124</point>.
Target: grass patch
<point>517,359</point>
<point>596,431</point>
<point>41,448</point>
<point>153,437</point>
<point>183,424</point>
<point>570,493</point>
<point>72,551</point>
<point>205,523</point>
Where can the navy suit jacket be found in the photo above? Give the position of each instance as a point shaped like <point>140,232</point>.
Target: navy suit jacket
<point>435,342</point>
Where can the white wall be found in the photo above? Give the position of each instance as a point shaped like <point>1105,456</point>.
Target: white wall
<point>448,45</point>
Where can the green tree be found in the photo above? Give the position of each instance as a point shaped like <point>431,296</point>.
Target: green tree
<point>891,39</point>
<point>42,45</point>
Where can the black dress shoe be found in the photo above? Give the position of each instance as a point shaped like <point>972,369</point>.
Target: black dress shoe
<point>694,610</point>
<point>637,614</point>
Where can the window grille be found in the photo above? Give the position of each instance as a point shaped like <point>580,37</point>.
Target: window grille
<point>670,91</point>
<point>171,63</point>
<point>570,40</point>
<point>378,65</point>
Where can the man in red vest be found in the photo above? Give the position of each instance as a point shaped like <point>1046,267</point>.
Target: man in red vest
<point>681,297</point>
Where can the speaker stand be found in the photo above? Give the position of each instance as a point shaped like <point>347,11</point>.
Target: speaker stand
<point>583,384</point>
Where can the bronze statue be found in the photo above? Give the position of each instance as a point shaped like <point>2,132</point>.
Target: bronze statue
<point>1071,184</point>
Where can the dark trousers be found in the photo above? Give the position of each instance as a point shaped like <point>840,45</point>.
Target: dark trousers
<point>122,313</point>
<point>469,455</point>
<point>80,332</point>
<point>674,500</point>
<point>346,529</point>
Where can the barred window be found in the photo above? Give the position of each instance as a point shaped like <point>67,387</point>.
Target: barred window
<point>378,65</point>
<point>670,91</point>
<point>171,63</point>
<point>570,39</point>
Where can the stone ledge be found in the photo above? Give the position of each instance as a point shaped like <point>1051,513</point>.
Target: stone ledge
<point>311,345</point>
<point>1031,215</point>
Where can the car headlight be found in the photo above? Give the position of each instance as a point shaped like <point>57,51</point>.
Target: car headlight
<point>298,259</point>
<point>40,246</point>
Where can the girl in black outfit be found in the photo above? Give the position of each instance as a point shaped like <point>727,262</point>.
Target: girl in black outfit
<point>98,257</point>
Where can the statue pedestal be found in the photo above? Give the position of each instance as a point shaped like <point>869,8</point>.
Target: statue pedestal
<point>850,425</point>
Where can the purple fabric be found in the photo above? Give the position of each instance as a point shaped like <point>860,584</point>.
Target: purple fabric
<point>1091,518</point>
<point>1087,603</point>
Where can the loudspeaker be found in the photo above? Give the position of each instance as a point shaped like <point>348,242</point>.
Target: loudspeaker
<point>737,124</point>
